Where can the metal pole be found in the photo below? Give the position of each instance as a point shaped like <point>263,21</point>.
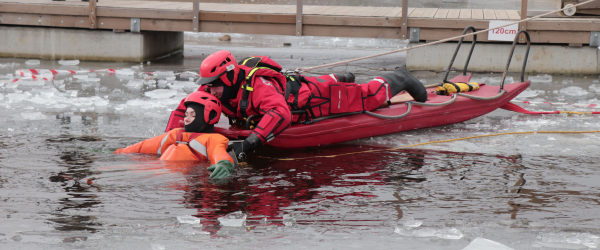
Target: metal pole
<point>404,29</point>
<point>196,16</point>
<point>92,12</point>
<point>299,6</point>
<point>523,25</point>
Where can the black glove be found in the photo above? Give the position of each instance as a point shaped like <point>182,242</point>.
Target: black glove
<point>242,148</point>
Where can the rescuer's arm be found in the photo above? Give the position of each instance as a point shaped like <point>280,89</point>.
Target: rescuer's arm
<point>276,116</point>
<point>223,164</point>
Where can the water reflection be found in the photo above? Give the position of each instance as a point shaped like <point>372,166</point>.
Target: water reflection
<point>79,188</point>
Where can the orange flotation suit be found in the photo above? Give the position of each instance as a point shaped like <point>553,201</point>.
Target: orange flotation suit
<point>178,145</point>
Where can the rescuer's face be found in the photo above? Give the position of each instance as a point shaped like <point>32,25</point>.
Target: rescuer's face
<point>217,91</point>
<point>190,115</point>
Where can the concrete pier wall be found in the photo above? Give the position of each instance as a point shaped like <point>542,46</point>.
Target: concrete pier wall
<point>555,59</point>
<point>89,45</point>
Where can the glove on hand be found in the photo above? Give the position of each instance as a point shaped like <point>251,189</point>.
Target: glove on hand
<point>241,149</point>
<point>222,169</point>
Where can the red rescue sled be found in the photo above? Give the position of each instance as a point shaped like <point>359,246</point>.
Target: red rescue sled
<point>456,108</point>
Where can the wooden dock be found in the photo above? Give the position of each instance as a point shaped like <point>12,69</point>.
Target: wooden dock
<point>305,20</point>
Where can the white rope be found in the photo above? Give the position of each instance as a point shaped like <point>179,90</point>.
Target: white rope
<point>300,70</point>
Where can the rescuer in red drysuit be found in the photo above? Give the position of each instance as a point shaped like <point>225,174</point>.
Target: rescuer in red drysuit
<point>196,141</point>
<point>256,87</point>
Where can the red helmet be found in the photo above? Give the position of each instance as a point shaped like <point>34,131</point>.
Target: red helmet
<point>216,66</point>
<point>210,103</point>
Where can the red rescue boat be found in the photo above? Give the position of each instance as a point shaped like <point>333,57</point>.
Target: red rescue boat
<point>439,110</point>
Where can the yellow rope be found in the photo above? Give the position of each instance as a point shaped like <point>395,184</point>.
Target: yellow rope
<point>433,142</point>
<point>439,41</point>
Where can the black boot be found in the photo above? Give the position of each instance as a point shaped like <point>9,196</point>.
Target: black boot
<point>347,78</point>
<point>401,80</point>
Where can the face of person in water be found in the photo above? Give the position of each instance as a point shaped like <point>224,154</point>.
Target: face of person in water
<point>190,115</point>
<point>217,91</point>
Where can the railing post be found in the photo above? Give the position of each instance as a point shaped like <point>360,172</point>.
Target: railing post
<point>404,29</point>
<point>299,17</point>
<point>92,12</point>
<point>523,26</point>
<point>196,16</point>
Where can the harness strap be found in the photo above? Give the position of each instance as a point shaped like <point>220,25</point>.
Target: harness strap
<point>197,147</point>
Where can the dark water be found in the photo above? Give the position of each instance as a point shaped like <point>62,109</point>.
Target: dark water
<point>62,188</point>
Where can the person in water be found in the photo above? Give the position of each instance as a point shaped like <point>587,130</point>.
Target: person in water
<point>196,141</point>
<point>256,87</point>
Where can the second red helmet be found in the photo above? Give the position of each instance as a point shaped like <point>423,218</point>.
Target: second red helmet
<point>210,103</point>
<point>216,66</point>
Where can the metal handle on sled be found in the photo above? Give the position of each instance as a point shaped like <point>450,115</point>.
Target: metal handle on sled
<point>456,52</point>
<point>514,45</point>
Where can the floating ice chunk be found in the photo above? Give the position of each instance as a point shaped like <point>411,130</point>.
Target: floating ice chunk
<point>9,65</point>
<point>161,84</point>
<point>568,240</point>
<point>26,81</point>
<point>188,74</point>
<point>170,78</point>
<point>33,116</point>
<point>17,97</point>
<point>411,222</point>
<point>188,219</point>
<point>156,246</point>
<point>485,244</point>
<point>125,72</point>
<point>32,62</point>
<point>573,91</point>
<point>288,220</point>
<point>136,84</point>
<point>163,74</point>
<point>567,81</point>
<point>283,183</point>
<point>81,76</point>
<point>161,93</point>
<point>528,93</point>
<point>540,79</point>
<point>68,62</point>
<point>1,97</point>
<point>446,233</point>
<point>498,80</point>
<point>595,88</point>
<point>449,234</point>
<point>550,138</point>
<point>235,219</point>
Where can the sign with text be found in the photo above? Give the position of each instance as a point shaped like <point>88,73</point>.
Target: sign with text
<point>503,34</point>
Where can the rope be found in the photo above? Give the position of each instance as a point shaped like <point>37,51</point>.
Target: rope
<point>434,142</point>
<point>300,70</point>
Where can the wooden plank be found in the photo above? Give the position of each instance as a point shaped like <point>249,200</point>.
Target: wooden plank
<point>366,32</point>
<point>501,14</point>
<point>92,13</point>
<point>299,18</point>
<point>453,13</point>
<point>417,13</point>
<point>340,11</point>
<point>448,23</point>
<point>40,9</point>
<point>513,15</point>
<point>249,28</point>
<point>429,13</point>
<point>489,15</point>
<point>477,14</point>
<point>564,25</point>
<point>441,13</point>
<point>383,11</point>
<point>317,10</point>
<point>404,27</point>
<point>465,14</point>
<point>394,12</point>
<point>46,20</point>
<point>408,11</point>
<point>355,11</point>
<point>141,13</point>
<point>278,9</point>
<point>352,21</point>
<point>248,17</point>
<point>370,11</point>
